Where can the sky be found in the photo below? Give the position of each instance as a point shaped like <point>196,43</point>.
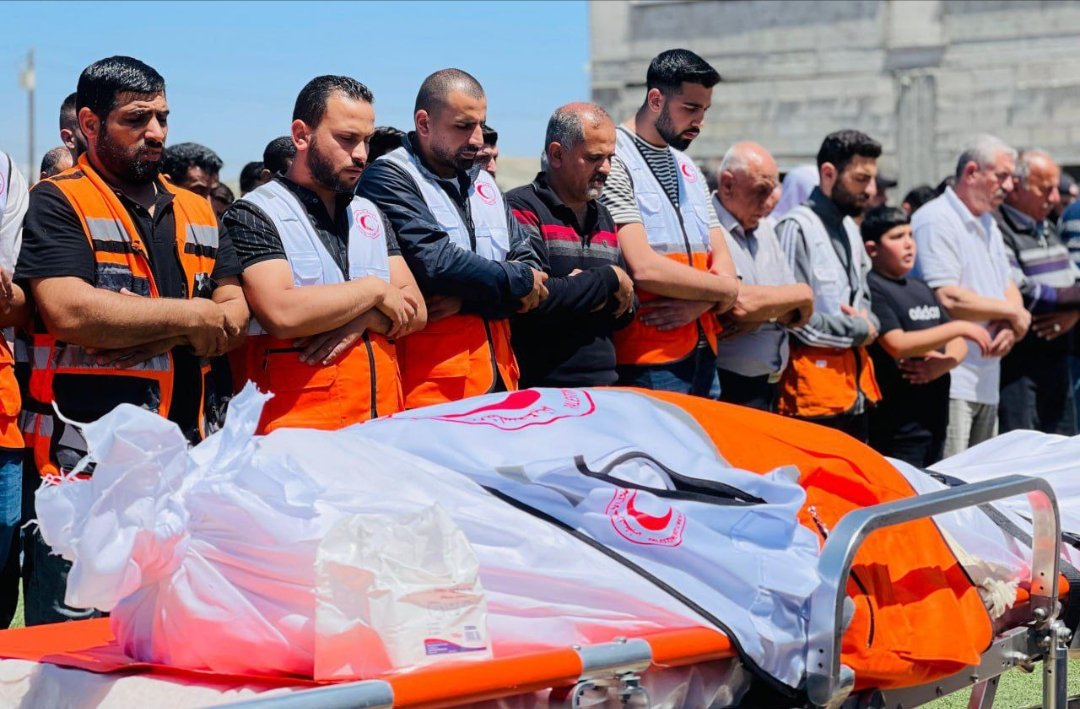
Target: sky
<point>232,69</point>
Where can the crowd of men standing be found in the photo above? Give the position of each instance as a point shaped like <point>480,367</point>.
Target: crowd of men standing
<point>367,270</point>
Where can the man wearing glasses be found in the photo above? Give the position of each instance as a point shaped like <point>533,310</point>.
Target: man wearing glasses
<point>962,257</point>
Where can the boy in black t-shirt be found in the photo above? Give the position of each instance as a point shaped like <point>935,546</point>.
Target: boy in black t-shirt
<point>917,347</point>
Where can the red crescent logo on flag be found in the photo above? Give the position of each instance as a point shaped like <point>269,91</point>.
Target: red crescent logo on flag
<point>368,223</point>
<point>639,527</point>
<point>521,409</point>
<point>688,172</point>
<point>484,190</point>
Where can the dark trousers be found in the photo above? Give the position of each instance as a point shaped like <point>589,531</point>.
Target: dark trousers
<point>694,374</point>
<point>44,574</point>
<point>1035,394</point>
<point>855,425</point>
<point>920,450</point>
<point>755,392</point>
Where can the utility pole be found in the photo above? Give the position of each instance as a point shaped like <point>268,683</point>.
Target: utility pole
<point>27,79</point>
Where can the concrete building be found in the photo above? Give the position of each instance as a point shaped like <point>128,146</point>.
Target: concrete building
<point>921,76</point>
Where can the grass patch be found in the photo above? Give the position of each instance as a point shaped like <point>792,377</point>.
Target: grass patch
<point>1017,689</point>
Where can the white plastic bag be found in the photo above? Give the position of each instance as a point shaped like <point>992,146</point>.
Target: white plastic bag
<point>397,592</point>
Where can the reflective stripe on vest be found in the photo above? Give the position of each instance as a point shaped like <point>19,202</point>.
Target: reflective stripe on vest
<point>824,381</point>
<point>458,356</point>
<point>364,382</point>
<point>679,234</point>
<point>63,372</point>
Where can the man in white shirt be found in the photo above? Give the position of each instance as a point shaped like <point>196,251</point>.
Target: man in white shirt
<point>962,257</point>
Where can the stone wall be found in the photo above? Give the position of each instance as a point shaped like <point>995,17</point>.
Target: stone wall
<point>921,76</point>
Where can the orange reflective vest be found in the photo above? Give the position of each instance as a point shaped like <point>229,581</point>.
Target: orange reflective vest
<point>906,582</point>
<point>65,373</point>
<point>364,382</point>
<point>461,355</point>
<point>679,234</point>
<point>827,381</point>
<point>824,381</point>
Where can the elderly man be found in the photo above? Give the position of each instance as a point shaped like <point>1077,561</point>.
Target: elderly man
<point>468,253</point>
<point>567,340</point>
<point>961,256</point>
<point>831,379</point>
<point>1035,390</point>
<point>669,233</point>
<point>753,348</point>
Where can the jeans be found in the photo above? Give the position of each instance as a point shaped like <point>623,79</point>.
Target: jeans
<point>694,374</point>
<point>755,392</point>
<point>970,423</point>
<point>10,517</point>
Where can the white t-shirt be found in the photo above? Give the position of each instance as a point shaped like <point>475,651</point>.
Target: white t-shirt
<point>956,248</point>
<point>13,188</point>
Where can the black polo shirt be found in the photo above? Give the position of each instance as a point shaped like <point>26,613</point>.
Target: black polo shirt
<point>566,340</point>
<point>256,238</point>
<point>55,245</point>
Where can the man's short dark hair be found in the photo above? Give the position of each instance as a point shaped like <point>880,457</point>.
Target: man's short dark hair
<point>491,136</point>
<point>69,116</point>
<point>223,193</point>
<point>250,175</point>
<point>384,140</point>
<point>437,88</point>
<point>841,147</point>
<point>101,82</point>
<point>278,153</point>
<point>312,99</point>
<point>879,220</point>
<point>181,157</point>
<point>671,69</point>
<point>51,160</point>
<point>919,196</point>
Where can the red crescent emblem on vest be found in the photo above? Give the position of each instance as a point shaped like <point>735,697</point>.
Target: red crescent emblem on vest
<point>484,190</point>
<point>368,223</point>
<point>642,528</point>
<point>688,172</point>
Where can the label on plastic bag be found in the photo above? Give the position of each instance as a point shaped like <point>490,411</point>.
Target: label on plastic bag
<point>397,592</point>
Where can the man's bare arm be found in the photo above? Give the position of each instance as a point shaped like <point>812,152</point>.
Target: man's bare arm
<point>663,276</point>
<point>764,303</point>
<point>965,304</point>
<point>287,311</point>
<point>230,296</point>
<point>77,312</point>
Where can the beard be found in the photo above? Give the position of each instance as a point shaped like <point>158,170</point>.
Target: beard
<point>593,191</point>
<point>666,129</point>
<point>849,203</point>
<point>460,160</point>
<point>322,171</point>
<point>129,165</point>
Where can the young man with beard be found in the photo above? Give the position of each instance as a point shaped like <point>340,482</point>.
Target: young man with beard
<point>669,233</point>
<point>133,287</point>
<point>328,288</point>
<point>961,255</point>
<point>567,340</point>
<point>468,253</point>
<point>830,379</point>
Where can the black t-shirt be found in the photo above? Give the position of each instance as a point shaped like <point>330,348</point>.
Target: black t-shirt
<point>55,245</point>
<point>906,409</point>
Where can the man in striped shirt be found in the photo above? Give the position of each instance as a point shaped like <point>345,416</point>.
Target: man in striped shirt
<point>1035,391</point>
<point>669,234</point>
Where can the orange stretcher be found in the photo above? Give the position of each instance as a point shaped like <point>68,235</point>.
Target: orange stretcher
<point>89,645</point>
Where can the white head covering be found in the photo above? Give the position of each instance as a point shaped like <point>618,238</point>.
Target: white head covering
<point>798,184</point>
